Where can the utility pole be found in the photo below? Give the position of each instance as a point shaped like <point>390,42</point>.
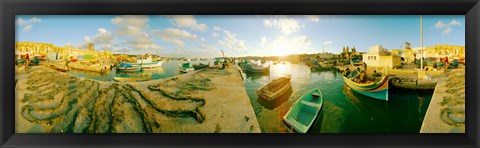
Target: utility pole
<point>421,43</point>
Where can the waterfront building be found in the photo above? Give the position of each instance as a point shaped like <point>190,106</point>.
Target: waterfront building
<point>43,49</point>
<point>441,51</point>
<point>377,56</point>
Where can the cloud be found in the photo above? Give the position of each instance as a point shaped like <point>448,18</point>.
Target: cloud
<point>27,24</point>
<point>217,28</point>
<point>187,21</point>
<point>263,40</point>
<point>87,39</point>
<point>283,24</point>
<point>134,29</point>
<point>447,31</point>
<point>231,42</point>
<point>208,47</point>
<point>302,41</point>
<point>313,18</point>
<point>174,35</point>
<point>283,45</point>
<point>327,43</point>
<point>103,40</point>
<point>446,28</point>
<point>139,21</point>
<point>27,28</point>
<point>103,37</point>
<point>215,35</point>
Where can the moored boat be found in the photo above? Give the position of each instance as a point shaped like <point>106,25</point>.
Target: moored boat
<point>274,89</point>
<point>217,61</point>
<point>147,62</point>
<point>200,66</point>
<point>186,67</point>
<point>375,89</point>
<point>319,67</point>
<point>257,69</point>
<point>302,115</point>
<point>122,79</point>
<point>124,67</point>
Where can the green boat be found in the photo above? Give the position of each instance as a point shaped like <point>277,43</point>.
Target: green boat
<point>257,69</point>
<point>375,89</point>
<point>200,66</point>
<point>302,115</point>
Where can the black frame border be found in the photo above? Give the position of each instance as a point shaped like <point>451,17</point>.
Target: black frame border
<point>10,8</point>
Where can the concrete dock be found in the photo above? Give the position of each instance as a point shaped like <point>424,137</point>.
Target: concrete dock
<point>446,112</point>
<point>204,101</point>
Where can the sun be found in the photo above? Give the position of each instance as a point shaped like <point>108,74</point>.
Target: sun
<point>282,49</point>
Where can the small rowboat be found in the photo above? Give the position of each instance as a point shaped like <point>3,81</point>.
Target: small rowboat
<point>274,89</point>
<point>302,115</point>
<point>124,67</point>
<point>200,66</point>
<point>257,69</point>
<point>122,79</point>
<point>186,67</point>
<point>375,89</point>
<point>148,65</point>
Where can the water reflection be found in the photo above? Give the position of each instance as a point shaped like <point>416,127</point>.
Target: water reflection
<point>277,102</point>
<point>343,110</point>
<point>167,69</point>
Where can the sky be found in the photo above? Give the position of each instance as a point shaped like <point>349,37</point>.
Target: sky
<point>204,36</point>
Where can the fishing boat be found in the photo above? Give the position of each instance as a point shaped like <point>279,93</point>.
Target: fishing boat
<point>217,61</point>
<point>243,64</point>
<point>147,62</point>
<point>125,67</point>
<point>123,79</point>
<point>375,89</point>
<point>274,89</point>
<point>318,66</point>
<point>302,115</point>
<point>257,69</point>
<point>186,67</point>
<point>200,66</point>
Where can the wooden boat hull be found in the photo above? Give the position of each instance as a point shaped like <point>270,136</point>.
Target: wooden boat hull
<point>187,70</point>
<point>132,69</point>
<point>200,66</point>
<point>120,79</point>
<point>304,112</point>
<point>148,65</point>
<point>252,70</point>
<point>270,96</point>
<point>377,90</point>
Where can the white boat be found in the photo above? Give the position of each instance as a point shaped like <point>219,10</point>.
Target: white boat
<point>147,62</point>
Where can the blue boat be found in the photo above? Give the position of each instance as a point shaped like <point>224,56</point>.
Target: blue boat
<point>257,69</point>
<point>302,115</point>
<point>374,89</point>
<point>125,67</point>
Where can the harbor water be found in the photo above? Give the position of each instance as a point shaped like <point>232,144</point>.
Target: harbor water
<point>344,111</point>
<point>168,69</point>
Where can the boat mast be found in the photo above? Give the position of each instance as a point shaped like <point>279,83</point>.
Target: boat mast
<point>421,43</point>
